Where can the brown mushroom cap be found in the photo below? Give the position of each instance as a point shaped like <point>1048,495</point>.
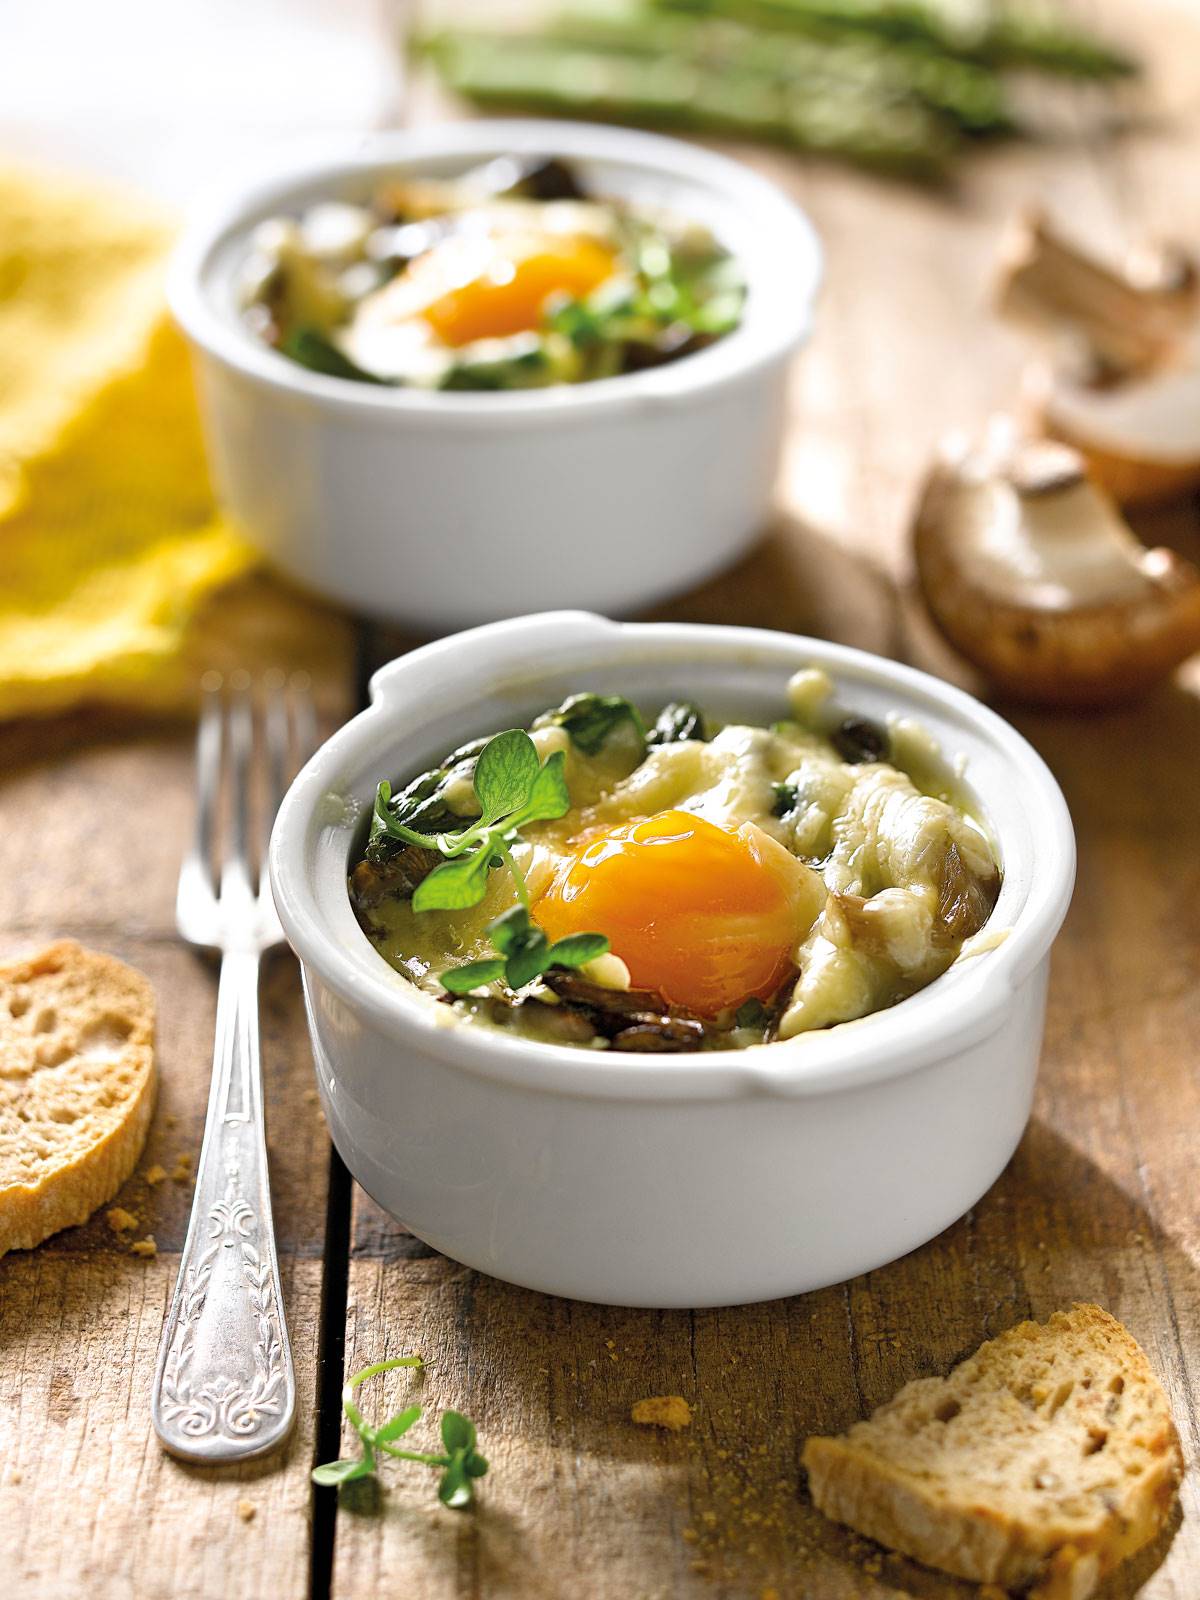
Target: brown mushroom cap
<point>1032,573</point>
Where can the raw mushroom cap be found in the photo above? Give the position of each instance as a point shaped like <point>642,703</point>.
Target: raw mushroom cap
<point>1031,572</point>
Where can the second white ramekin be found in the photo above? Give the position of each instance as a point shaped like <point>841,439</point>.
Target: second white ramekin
<point>674,1180</point>
<point>442,510</point>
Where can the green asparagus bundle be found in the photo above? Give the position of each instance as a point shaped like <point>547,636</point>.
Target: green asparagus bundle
<point>993,34</point>
<point>520,71</point>
<point>896,85</point>
<point>969,95</point>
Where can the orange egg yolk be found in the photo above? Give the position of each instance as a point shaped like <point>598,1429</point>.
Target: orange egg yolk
<point>707,917</point>
<point>509,295</point>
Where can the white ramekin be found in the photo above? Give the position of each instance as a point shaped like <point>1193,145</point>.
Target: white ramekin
<point>682,1180</point>
<point>448,509</point>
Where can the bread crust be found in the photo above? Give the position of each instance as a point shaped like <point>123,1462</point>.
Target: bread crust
<point>91,996</point>
<point>943,1510</point>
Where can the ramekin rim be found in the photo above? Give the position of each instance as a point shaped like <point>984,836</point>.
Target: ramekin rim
<point>846,1057</point>
<point>226,214</point>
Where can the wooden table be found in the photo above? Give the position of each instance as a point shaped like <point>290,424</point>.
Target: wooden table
<point>1099,1202</point>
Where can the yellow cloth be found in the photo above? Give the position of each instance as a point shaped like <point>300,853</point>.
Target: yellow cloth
<point>109,535</point>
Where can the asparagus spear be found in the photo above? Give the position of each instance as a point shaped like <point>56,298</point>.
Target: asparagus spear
<point>995,35</point>
<point>806,112</point>
<point>971,95</point>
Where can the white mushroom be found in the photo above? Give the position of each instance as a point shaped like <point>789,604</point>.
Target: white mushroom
<point>1121,382</point>
<point>1032,573</point>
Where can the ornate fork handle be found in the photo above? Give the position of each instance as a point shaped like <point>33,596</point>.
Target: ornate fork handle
<point>225,1389</point>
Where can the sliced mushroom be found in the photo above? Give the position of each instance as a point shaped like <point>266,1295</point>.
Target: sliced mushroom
<point>1122,379</point>
<point>633,1019</point>
<point>1031,572</point>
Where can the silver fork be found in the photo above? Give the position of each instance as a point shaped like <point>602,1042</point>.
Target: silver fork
<point>225,1388</point>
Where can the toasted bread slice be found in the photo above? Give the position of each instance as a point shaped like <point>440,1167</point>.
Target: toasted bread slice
<point>76,1087</point>
<point>1045,1458</point>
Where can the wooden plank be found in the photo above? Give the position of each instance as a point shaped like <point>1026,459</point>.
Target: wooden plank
<point>96,812</point>
<point>1097,1202</point>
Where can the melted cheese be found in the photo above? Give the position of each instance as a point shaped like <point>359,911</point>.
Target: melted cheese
<point>880,845</point>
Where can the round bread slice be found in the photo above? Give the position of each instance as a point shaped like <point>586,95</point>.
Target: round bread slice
<point>1043,1460</point>
<point>77,1087</point>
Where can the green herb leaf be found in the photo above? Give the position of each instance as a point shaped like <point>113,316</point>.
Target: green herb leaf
<point>462,1462</point>
<point>528,959</point>
<point>526,953</point>
<point>473,975</point>
<point>455,1488</point>
<point>509,929</point>
<point>456,884</point>
<point>333,1473</point>
<point>457,1432</point>
<point>590,719</point>
<point>786,796</point>
<point>399,1424</point>
<point>577,949</point>
<point>548,797</point>
<point>505,774</point>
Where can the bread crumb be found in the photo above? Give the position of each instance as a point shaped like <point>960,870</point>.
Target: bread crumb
<point>144,1247</point>
<point>15,1475</point>
<point>246,1510</point>
<point>182,1170</point>
<point>120,1220</point>
<point>171,1120</point>
<point>154,1174</point>
<point>663,1411</point>
<point>311,1097</point>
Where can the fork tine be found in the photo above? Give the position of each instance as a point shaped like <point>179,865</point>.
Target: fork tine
<point>196,869</point>
<point>239,727</point>
<point>275,740</point>
<point>304,717</point>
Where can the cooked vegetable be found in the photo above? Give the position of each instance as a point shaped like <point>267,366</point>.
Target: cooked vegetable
<point>633,1019</point>
<point>1031,572</point>
<point>591,719</point>
<point>313,350</point>
<point>697,887</point>
<point>679,720</point>
<point>508,277</point>
<point>855,739</point>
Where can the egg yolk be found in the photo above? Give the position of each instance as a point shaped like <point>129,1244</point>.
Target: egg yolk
<point>707,917</point>
<point>508,296</point>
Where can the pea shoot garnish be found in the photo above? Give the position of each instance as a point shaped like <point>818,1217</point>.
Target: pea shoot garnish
<point>525,953</point>
<point>459,1460</point>
<point>513,788</point>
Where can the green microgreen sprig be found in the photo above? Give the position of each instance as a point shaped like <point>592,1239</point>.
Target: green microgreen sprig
<point>513,788</point>
<point>460,1462</point>
<point>525,953</point>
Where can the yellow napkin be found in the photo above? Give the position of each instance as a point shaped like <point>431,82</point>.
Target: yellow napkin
<point>109,535</point>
